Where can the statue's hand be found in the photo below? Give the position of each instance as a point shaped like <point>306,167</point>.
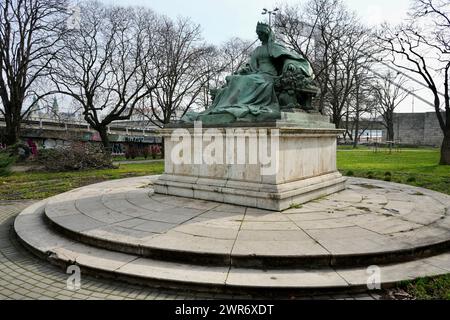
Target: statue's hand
<point>244,70</point>
<point>291,68</point>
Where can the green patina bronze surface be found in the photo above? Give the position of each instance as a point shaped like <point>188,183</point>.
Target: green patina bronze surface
<point>275,78</point>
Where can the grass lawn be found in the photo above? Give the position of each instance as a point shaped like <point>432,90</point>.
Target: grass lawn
<point>141,158</point>
<point>416,167</point>
<point>40,185</point>
<point>428,288</point>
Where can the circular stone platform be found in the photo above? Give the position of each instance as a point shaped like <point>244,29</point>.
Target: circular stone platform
<point>122,229</point>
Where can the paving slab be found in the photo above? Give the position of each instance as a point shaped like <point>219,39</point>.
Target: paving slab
<point>273,235</point>
<point>324,224</point>
<point>389,225</point>
<point>346,196</point>
<point>167,218</point>
<point>310,216</point>
<point>119,234</point>
<point>218,222</point>
<point>78,222</point>
<point>183,242</point>
<point>208,231</point>
<point>268,226</point>
<point>277,248</point>
<point>59,208</point>
<point>146,202</point>
<point>391,273</point>
<point>222,215</point>
<point>124,207</point>
<point>91,257</point>
<point>285,278</point>
<point>155,226</point>
<point>423,217</point>
<point>441,261</point>
<point>185,273</point>
<point>230,208</point>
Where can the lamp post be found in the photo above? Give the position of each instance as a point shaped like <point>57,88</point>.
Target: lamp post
<point>270,13</point>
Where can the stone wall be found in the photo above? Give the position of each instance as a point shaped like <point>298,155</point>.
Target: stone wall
<point>432,134</point>
<point>417,129</point>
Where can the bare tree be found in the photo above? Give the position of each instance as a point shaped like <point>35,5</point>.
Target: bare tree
<point>223,61</point>
<point>388,95</point>
<point>182,70</point>
<point>347,69</point>
<point>360,107</point>
<point>301,27</point>
<point>334,42</point>
<point>235,53</point>
<point>30,38</point>
<point>212,78</point>
<point>107,62</point>
<point>422,47</point>
<point>308,30</point>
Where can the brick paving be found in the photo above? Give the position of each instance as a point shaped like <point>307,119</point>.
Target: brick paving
<point>24,276</point>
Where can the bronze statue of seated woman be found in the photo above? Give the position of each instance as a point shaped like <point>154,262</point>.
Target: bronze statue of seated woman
<point>275,78</point>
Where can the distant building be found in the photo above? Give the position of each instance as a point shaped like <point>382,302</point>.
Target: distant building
<point>70,116</point>
<point>417,129</point>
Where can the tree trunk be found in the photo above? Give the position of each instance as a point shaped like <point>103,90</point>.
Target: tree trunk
<point>163,149</point>
<point>445,149</point>
<point>356,137</point>
<point>103,131</point>
<point>347,120</point>
<point>390,131</point>
<point>12,132</point>
<point>389,124</point>
<point>336,120</point>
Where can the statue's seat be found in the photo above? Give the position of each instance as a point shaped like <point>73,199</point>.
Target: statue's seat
<point>295,89</point>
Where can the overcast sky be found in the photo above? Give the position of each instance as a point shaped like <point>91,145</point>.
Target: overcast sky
<point>223,19</point>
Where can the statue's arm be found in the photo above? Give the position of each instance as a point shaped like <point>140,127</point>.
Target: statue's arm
<point>250,66</point>
<point>290,67</point>
<point>303,66</point>
<point>247,69</point>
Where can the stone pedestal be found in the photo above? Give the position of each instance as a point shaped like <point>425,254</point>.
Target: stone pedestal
<point>272,166</point>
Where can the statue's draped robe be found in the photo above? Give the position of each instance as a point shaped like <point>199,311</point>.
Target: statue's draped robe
<point>251,95</point>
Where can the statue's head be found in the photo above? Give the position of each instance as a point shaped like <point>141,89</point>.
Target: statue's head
<point>264,31</point>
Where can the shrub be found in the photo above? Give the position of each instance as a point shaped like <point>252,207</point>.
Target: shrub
<point>75,156</point>
<point>131,152</point>
<point>388,174</point>
<point>146,152</point>
<point>155,150</point>
<point>6,161</point>
<point>20,152</point>
<point>350,173</point>
<point>387,178</point>
<point>411,179</point>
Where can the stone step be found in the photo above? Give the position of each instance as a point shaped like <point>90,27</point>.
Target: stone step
<point>369,223</point>
<point>36,235</point>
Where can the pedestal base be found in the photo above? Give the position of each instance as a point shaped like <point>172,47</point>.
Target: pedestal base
<point>275,167</point>
<point>276,197</point>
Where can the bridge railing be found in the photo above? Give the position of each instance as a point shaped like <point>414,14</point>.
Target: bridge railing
<point>55,124</point>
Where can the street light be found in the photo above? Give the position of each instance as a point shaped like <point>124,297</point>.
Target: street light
<point>270,13</point>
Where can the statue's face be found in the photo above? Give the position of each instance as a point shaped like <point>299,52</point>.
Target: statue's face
<point>263,35</point>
